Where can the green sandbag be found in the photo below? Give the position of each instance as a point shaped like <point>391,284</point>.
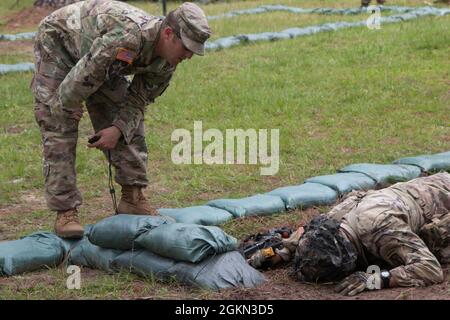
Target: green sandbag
<point>345,182</point>
<point>38,250</point>
<point>120,231</point>
<point>385,174</point>
<point>430,163</point>
<point>204,215</point>
<point>186,242</point>
<point>305,195</point>
<point>144,263</point>
<point>222,271</point>
<point>260,204</point>
<point>86,254</point>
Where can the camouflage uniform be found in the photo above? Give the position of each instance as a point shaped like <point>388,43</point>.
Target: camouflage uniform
<point>400,227</point>
<point>83,53</point>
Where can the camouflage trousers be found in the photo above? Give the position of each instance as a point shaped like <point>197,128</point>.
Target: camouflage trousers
<point>59,139</point>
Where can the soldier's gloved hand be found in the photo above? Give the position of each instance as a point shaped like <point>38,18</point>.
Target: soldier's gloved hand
<point>108,138</point>
<point>257,259</point>
<point>353,284</point>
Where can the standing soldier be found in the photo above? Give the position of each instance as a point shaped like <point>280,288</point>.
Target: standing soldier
<point>404,228</point>
<point>83,53</point>
<point>365,3</point>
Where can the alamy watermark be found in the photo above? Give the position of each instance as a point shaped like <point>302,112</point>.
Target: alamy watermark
<point>374,21</point>
<point>230,148</point>
<point>74,280</point>
<point>374,280</point>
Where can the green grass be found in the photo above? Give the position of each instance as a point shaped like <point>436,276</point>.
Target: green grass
<point>338,98</point>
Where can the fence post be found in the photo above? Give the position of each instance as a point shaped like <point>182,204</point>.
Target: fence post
<point>164,5</point>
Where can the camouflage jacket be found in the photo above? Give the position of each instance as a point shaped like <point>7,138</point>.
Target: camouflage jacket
<point>385,226</point>
<point>102,40</point>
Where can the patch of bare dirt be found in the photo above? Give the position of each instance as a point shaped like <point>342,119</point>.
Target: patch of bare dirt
<point>16,129</point>
<point>28,17</point>
<point>348,150</point>
<point>28,201</point>
<point>17,47</point>
<point>281,286</point>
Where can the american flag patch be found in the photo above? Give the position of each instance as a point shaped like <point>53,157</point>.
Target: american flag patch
<point>125,55</point>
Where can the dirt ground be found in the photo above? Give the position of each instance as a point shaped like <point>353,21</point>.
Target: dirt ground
<point>27,18</point>
<point>281,286</point>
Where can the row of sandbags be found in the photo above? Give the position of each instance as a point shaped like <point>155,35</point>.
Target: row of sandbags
<point>228,42</point>
<point>327,11</point>
<point>18,67</point>
<point>315,191</point>
<point>258,10</point>
<point>150,246</point>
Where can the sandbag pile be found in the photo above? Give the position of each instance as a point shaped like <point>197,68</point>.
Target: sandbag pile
<point>155,246</point>
<point>151,246</point>
<point>31,253</point>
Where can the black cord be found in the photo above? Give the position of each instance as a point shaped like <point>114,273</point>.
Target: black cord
<point>112,191</point>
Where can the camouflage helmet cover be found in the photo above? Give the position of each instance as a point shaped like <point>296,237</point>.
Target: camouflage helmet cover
<point>323,253</point>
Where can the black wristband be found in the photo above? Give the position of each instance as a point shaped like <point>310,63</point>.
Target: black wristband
<point>385,278</point>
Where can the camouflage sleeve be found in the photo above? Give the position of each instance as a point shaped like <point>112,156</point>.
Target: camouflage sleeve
<point>144,89</point>
<point>91,71</point>
<point>394,241</point>
<point>349,202</point>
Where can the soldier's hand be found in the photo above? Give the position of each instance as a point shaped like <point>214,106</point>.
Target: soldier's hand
<point>108,138</point>
<point>353,284</point>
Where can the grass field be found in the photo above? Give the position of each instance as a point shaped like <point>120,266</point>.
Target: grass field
<point>356,95</point>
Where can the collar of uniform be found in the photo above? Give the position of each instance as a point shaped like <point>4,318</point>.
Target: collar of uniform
<point>159,65</point>
<point>352,237</point>
<point>150,40</point>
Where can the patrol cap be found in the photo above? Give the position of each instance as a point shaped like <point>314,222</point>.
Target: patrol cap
<point>189,23</point>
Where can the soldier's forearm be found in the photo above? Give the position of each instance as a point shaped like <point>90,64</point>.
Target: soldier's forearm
<point>128,121</point>
<point>415,275</point>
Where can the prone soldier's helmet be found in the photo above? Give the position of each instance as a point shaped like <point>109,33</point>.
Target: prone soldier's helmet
<point>189,23</point>
<point>322,253</point>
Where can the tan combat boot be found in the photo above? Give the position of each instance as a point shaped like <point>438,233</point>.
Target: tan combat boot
<point>133,201</point>
<point>67,224</point>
